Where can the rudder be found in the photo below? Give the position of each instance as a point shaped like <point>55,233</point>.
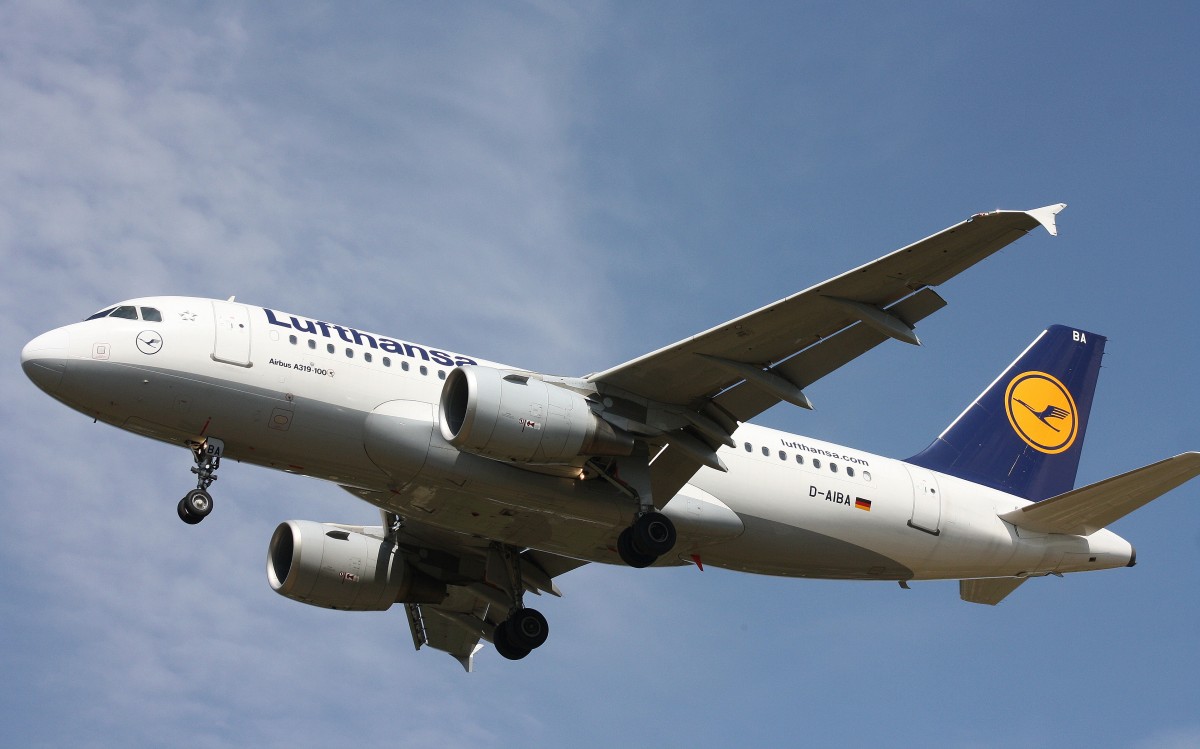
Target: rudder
<point>1024,434</point>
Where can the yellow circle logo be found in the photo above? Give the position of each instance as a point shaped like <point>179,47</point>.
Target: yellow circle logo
<point>1041,412</point>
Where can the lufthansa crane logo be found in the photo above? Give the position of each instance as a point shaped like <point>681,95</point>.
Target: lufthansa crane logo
<point>149,342</point>
<point>1041,412</point>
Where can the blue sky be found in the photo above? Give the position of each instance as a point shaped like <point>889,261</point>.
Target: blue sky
<point>565,187</point>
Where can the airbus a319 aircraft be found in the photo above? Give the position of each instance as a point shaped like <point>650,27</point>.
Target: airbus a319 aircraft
<point>493,480</point>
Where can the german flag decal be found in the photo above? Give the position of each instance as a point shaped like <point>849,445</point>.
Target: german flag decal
<point>862,504</point>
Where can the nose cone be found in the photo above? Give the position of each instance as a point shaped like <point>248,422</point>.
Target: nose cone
<point>45,358</point>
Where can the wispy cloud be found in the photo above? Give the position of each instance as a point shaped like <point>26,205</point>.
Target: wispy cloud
<point>547,184</point>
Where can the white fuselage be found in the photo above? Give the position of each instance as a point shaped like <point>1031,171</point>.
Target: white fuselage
<point>322,400</point>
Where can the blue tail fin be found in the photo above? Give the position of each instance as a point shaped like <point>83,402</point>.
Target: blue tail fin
<point>1024,434</point>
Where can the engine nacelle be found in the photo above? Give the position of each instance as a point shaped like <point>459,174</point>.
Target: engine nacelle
<point>515,416</point>
<point>334,568</point>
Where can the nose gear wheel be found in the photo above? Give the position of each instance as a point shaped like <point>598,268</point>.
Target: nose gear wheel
<point>198,503</point>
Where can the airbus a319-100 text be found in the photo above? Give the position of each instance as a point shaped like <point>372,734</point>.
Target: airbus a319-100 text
<point>493,480</point>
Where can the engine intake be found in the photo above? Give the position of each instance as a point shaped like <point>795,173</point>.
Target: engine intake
<point>334,568</point>
<point>516,416</point>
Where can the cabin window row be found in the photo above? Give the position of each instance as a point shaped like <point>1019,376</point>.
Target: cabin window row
<point>367,356</point>
<point>816,463</point>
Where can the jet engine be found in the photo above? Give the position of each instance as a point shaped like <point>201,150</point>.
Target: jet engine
<point>518,417</point>
<point>336,568</point>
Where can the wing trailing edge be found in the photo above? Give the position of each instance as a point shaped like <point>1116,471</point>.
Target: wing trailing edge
<point>1086,510</point>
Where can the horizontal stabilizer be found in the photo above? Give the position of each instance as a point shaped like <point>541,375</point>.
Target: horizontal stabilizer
<point>990,591</point>
<point>1087,510</point>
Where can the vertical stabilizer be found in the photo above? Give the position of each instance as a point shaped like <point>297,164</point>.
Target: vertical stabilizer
<point>1024,434</point>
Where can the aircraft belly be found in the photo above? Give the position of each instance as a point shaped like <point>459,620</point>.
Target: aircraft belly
<point>776,548</point>
<point>258,425</point>
<point>583,529</point>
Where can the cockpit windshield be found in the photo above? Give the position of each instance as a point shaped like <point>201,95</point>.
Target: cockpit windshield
<point>129,312</point>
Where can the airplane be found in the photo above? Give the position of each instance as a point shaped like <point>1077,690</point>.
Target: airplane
<point>492,481</point>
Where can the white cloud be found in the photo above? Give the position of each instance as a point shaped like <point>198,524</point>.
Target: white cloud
<point>1178,737</point>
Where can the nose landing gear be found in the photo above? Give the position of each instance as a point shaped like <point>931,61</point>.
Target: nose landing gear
<point>198,503</point>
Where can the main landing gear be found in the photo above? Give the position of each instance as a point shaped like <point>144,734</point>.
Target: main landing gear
<point>198,503</point>
<point>651,535</point>
<point>525,630</point>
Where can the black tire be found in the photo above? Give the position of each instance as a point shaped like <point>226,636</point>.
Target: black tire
<point>630,555</point>
<point>527,629</point>
<point>654,534</point>
<point>502,640</point>
<point>184,515</point>
<point>199,503</point>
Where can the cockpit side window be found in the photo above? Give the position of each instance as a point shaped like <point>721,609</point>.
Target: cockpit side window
<point>127,312</point>
<point>101,313</point>
<point>149,314</point>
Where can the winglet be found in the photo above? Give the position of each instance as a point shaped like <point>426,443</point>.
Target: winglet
<point>1045,216</point>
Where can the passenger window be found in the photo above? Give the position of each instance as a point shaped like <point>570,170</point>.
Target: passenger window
<point>782,455</point>
<point>424,369</point>
<point>404,366</point>
<point>312,343</point>
<point>292,340</point>
<point>387,362</point>
<point>833,467</point>
<point>330,348</point>
<point>766,450</point>
<point>125,313</point>
<point>441,374</point>
<point>866,475</point>
<point>800,459</point>
<point>149,314</point>
<point>101,313</point>
<point>749,448</point>
<point>367,357</point>
<point>849,471</point>
<point>349,353</point>
<point>816,463</point>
